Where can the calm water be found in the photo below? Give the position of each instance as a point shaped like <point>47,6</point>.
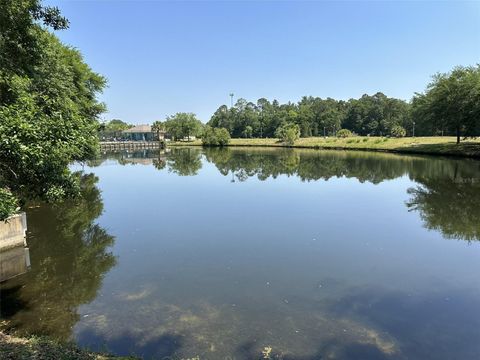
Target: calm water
<point>220,253</point>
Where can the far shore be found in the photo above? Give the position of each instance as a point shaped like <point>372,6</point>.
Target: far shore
<point>438,145</point>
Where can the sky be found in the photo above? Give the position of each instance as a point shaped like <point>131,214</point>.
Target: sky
<point>163,57</point>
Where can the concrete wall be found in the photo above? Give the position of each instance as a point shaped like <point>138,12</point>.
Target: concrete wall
<point>14,256</point>
<point>13,232</point>
<point>14,262</point>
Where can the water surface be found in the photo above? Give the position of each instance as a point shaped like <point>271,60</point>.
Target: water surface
<point>219,253</point>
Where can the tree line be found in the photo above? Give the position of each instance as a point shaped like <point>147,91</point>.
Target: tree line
<point>450,105</point>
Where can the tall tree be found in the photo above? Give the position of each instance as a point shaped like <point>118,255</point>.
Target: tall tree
<point>183,125</point>
<point>451,102</point>
<point>48,107</point>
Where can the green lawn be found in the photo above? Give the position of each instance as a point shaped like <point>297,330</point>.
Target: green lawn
<point>440,145</point>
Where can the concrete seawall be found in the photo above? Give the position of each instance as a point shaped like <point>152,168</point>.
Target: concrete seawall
<point>13,232</point>
<point>14,255</point>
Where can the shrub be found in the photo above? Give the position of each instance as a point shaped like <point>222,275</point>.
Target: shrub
<point>398,131</point>
<point>288,133</point>
<point>8,204</point>
<point>215,136</point>
<point>344,133</point>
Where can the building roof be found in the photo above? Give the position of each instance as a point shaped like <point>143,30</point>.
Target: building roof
<point>139,129</point>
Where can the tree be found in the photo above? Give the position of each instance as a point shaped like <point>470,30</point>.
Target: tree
<point>375,115</point>
<point>48,107</point>
<point>344,133</point>
<point>215,136</point>
<point>158,126</point>
<point>116,125</point>
<point>451,103</point>
<point>398,131</point>
<point>248,131</point>
<point>183,125</point>
<point>288,133</point>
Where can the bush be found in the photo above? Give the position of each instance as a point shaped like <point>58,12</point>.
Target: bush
<point>8,204</point>
<point>398,131</point>
<point>288,133</point>
<point>344,133</point>
<point>215,136</point>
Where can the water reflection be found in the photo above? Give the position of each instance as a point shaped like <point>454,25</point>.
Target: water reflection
<point>446,186</point>
<point>70,255</point>
<point>14,262</point>
<point>450,205</point>
<point>314,253</point>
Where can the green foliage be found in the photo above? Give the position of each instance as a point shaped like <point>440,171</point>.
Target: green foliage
<point>8,204</point>
<point>48,107</point>
<point>183,125</point>
<point>398,131</point>
<point>158,126</point>
<point>344,133</point>
<point>369,115</point>
<point>451,104</point>
<point>116,125</point>
<point>248,132</point>
<point>288,133</point>
<point>215,136</point>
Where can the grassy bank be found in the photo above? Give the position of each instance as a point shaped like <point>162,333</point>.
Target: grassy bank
<point>419,145</point>
<point>12,347</point>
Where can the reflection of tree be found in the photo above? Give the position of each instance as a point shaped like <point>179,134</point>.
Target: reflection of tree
<point>69,256</point>
<point>308,165</point>
<point>447,198</point>
<point>184,162</point>
<point>450,205</point>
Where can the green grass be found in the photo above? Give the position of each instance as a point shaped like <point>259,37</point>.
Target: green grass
<point>12,347</point>
<point>434,145</point>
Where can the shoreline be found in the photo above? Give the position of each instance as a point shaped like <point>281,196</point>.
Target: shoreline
<point>434,146</point>
<point>43,347</point>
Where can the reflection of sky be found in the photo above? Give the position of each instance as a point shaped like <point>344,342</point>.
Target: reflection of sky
<point>283,245</point>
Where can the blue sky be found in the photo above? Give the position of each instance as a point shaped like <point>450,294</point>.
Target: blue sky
<point>166,57</point>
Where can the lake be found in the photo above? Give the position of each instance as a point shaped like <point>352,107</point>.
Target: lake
<point>219,253</point>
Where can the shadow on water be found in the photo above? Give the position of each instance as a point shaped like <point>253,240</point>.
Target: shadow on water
<point>69,254</point>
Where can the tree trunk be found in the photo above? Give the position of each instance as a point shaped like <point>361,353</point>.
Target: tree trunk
<point>458,134</point>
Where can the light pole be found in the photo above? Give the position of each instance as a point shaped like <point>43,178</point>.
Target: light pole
<point>231,100</point>
<point>413,130</point>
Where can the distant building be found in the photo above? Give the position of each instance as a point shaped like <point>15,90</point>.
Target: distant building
<point>140,133</point>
